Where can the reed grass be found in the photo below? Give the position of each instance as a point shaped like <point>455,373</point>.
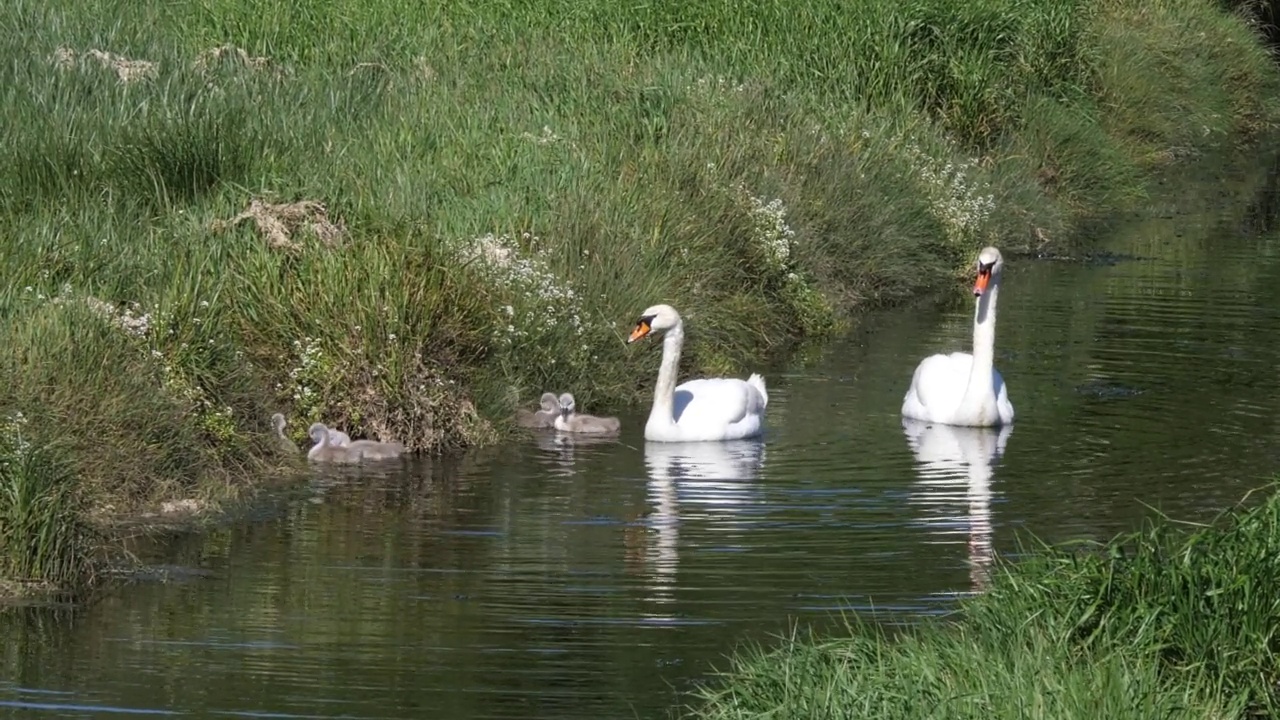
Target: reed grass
<point>48,545</point>
<point>407,218</point>
<point>1168,621</point>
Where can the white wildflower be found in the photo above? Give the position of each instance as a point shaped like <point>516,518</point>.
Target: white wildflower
<point>713,85</point>
<point>770,230</point>
<point>11,433</point>
<point>548,137</point>
<point>547,300</point>
<point>960,203</point>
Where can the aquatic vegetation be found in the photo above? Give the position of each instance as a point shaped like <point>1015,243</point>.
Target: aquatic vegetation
<point>1162,622</point>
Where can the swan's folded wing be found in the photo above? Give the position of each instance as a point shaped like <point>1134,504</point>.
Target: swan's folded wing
<point>940,380</point>
<point>714,401</point>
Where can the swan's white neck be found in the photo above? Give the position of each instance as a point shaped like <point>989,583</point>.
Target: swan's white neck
<point>980,394</point>
<point>664,392</point>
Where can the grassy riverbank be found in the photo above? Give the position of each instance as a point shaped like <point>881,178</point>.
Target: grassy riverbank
<point>1167,623</point>
<point>406,219</point>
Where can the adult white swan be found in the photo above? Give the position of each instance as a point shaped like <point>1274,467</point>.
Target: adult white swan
<point>697,410</point>
<point>964,389</point>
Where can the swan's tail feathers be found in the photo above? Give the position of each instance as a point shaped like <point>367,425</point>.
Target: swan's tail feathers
<point>757,382</point>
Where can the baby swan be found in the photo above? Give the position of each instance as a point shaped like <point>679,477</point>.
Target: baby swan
<point>570,421</point>
<point>545,417</point>
<point>354,451</point>
<point>286,445</point>
<point>374,450</point>
<point>325,450</point>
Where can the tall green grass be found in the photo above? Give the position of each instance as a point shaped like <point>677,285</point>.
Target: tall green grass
<point>1164,622</point>
<point>47,544</point>
<point>495,190</point>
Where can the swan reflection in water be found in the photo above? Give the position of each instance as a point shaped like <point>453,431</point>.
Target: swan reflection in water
<point>711,480</point>
<point>955,465</point>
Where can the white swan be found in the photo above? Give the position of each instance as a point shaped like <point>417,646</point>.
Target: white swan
<point>964,389</point>
<point>697,410</point>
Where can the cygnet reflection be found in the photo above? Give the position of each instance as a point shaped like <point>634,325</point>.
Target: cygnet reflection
<point>563,451</point>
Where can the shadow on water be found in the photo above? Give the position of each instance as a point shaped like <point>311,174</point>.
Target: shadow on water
<point>1265,209</point>
<point>588,577</point>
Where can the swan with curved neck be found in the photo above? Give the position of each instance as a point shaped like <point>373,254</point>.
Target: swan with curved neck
<point>706,409</point>
<point>962,388</point>
<point>326,450</point>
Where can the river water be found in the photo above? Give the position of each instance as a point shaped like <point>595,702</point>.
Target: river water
<point>555,579</point>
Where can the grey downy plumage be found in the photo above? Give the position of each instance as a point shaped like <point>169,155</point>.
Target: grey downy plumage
<point>571,421</point>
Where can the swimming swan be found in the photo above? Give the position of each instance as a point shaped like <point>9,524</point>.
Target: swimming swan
<point>325,450</point>
<point>374,450</point>
<point>697,410</point>
<point>964,389</point>
<point>287,445</point>
<point>569,420</point>
<point>544,417</point>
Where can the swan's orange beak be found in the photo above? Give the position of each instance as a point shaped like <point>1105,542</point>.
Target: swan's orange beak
<point>641,329</point>
<point>980,286</point>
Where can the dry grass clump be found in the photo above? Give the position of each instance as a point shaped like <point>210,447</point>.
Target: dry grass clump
<point>280,223</point>
<point>425,412</point>
<point>128,71</point>
<point>215,56</point>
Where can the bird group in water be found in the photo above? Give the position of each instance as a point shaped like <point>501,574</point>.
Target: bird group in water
<point>958,388</point>
<point>562,414</point>
<point>334,446</point>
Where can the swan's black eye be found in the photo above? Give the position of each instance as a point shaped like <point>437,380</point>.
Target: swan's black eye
<point>646,320</point>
